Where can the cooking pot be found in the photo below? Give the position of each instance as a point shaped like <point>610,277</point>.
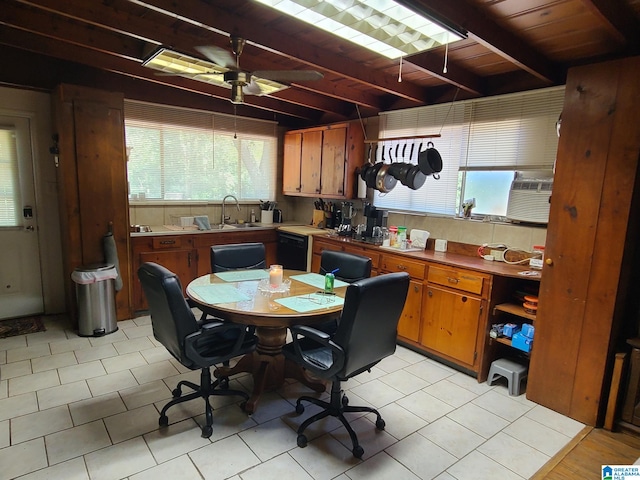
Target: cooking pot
<point>408,174</point>
<point>430,161</point>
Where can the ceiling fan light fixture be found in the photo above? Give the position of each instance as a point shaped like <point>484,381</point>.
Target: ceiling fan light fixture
<point>237,95</point>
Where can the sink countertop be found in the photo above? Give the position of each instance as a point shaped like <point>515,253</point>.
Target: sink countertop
<point>162,230</point>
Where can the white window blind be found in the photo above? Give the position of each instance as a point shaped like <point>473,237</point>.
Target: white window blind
<point>178,154</point>
<point>8,178</point>
<point>504,133</point>
<point>514,132</point>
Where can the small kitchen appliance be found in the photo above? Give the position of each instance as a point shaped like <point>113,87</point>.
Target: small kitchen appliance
<point>375,217</point>
<point>348,212</point>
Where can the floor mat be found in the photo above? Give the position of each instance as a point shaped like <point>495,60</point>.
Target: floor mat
<point>20,326</point>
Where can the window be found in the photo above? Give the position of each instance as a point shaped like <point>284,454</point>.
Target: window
<point>178,155</point>
<point>9,186</point>
<point>483,144</point>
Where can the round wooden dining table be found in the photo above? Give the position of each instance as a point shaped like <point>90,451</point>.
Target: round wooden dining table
<point>254,302</point>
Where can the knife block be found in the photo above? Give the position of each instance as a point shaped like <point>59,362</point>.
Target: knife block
<point>318,218</point>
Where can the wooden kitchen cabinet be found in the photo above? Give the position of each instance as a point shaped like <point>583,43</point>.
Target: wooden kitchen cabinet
<point>320,244</point>
<point>410,321</point>
<point>92,184</point>
<point>454,314</point>
<point>322,161</point>
<point>188,255</point>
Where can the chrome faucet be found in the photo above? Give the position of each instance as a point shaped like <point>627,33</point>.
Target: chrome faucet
<point>225,219</point>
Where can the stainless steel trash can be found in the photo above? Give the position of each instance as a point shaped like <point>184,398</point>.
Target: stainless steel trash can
<point>95,294</point>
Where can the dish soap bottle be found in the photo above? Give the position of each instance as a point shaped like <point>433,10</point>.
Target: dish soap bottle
<point>252,218</point>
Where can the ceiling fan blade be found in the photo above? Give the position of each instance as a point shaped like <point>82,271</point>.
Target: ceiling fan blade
<point>217,55</point>
<point>252,88</point>
<point>288,75</point>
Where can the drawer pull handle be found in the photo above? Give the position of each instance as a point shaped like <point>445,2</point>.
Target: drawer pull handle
<point>401,267</point>
<point>167,242</point>
<point>453,280</point>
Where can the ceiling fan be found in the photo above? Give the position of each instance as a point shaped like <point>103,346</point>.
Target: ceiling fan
<point>241,82</point>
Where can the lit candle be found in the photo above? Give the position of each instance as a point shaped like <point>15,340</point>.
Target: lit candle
<point>275,275</point>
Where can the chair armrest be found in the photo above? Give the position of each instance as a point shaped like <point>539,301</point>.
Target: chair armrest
<point>218,328</point>
<point>308,341</point>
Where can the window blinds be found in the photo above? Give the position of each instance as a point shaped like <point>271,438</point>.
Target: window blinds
<point>8,178</point>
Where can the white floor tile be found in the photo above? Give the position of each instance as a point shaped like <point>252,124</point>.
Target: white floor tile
<point>453,437</point>
<point>277,468</point>
<point>536,435</point>
<point>237,457</point>
<point>70,345</point>
<point>376,393</point>
<point>5,437</point>
<point>76,441</point>
<point>476,466</point>
<point>22,458</point>
<point>63,394</point>
<point>425,406</point>
<point>81,371</point>
<point>133,345</point>
<point>269,439</point>
<point>111,382</point>
<point>139,331</point>
<point>38,424</point>
<point>554,420</point>
<point>400,422</point>
<point>145,394</point>
<point>479,420</point>
<point>450,393</point>
<point>54,361</point>
<point>123,362</point>
<point>11,407</point>
<point>513,454</point>
<point>506,407</point>
<point>74,469</point>
<point>155,371</point>
<point>179,468</point>
<point>156,354</point>
<point>120,460</point>
<point>27,353</point>
<point>132,423</point>
<point>421,456</point>
<point>381,466</point>
<point>15,369</point>
<point>175,440</point>
<point>404,381</point>
<point>428,371</point>
<point>324,457</point>
<point>91,409</point>
<point>96,353</point>
<point>33,382</point>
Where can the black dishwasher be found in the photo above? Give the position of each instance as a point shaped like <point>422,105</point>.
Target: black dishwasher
<point>292,250</point>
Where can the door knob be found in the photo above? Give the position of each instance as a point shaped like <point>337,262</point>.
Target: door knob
<point>548,261</point>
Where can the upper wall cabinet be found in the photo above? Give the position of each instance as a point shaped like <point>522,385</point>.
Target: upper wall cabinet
<point>322,161</point>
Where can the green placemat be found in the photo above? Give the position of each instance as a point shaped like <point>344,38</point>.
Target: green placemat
<point>219,293</point>
<point>242,275</point>
<point>310,302</point>
<point>316,280</point>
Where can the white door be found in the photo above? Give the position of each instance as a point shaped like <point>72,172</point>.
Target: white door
<point>20,276</point>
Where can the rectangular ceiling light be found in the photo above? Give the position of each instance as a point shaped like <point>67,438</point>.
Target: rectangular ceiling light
<point>384,26</point>
<point>171,62</point>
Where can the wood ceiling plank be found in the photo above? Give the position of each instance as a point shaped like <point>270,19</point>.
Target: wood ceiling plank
<point>488,33</point>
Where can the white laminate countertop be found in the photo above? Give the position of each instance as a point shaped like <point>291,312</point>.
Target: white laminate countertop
<point>160,230</point>
<point>304,230</point>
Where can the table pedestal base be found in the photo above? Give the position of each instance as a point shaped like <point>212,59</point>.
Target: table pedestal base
<point>268,366</point>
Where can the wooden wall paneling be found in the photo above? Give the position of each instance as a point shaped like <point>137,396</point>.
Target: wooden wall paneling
<point>589,206</point>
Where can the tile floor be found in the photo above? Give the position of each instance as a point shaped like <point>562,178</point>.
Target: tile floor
<point>80,408</point>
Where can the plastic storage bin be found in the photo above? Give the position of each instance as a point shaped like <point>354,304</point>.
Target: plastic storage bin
<point>95,293</point>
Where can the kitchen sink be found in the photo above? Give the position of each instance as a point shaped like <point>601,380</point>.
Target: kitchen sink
<point>235,226</point>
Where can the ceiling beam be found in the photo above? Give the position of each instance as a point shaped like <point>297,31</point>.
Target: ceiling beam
<point>198,13</point>
<point>619,19</point>
<point>491,35</point>
<point>124,24</point>
<point>433,64</point>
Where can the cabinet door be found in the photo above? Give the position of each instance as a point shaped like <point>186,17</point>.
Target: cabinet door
<point>311,162</point>
<point>292,163</point>
<point>180,262</point>
<point>409,324</point>
<point>450,324</point>
<point>333,161</point>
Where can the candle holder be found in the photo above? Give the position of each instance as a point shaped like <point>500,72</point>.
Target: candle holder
<point>275,275</point>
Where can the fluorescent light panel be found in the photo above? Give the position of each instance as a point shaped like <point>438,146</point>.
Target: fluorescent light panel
<point>382,26</point>
<point>169,61</point>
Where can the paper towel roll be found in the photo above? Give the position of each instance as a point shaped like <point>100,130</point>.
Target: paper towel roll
<point>362,188</point>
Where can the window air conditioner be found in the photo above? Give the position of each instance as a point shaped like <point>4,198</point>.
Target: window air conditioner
<point>529,200</point>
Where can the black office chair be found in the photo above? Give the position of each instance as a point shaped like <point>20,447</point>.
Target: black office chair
<point>366,334</point>
<point>351,267</point>
<point>194,344</point>
<point>237,256</point>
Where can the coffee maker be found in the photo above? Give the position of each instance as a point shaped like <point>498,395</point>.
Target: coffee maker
<point>376,221</point>
<point>347,213</point>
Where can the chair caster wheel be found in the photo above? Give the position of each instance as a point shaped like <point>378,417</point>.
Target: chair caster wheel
<point>380,424</point>
<point>176,393</point>
<point>163,421</point>
<point>358,451</point>
<point>224,383</point>
<point>345,400</point>
<point>302,441</point>
<point>299,408</point>
<point>207,431</point>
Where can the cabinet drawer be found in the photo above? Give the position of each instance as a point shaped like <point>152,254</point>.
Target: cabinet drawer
<point>459,279</point>
<point>394,263</point>
<point>166,242</point>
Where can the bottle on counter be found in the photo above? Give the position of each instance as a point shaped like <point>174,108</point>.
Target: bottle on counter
<point>393,236</point>
<point>252,217</point>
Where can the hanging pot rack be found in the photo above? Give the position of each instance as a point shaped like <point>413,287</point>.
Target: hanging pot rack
<point>391,139</point>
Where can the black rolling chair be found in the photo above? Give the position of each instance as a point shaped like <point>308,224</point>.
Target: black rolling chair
<point>194,344</point>
<point>366,334</point>
<point>237,256</point>
<point>351,267</point>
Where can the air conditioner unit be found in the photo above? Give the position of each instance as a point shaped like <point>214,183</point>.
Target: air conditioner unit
<point>529,200</point>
